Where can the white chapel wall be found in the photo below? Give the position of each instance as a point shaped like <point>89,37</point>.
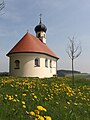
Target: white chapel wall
<point>27,65</point>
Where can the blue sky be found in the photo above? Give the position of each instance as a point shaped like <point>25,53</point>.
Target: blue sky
<point>63,18</point>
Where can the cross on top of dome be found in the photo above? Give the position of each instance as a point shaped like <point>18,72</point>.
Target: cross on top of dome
<point>40,26</point>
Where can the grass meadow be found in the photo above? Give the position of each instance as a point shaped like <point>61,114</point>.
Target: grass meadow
<point>44,99</point>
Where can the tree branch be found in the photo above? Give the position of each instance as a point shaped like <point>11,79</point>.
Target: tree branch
<point>2,5</point>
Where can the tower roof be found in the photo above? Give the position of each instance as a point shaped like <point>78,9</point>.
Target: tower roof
<point>40,26</point>
<point>31,44</point>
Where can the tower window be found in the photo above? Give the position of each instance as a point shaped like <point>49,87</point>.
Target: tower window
<point>44,35</point>
<point>38,35</point>
<point>46,62</point>
<point>37,62</point>
<point>17,64</point>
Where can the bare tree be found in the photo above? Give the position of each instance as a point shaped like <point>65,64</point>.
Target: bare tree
<point>2,4</point>
<point>73,51</point>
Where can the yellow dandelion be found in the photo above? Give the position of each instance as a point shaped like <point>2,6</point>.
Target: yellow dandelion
<point>10,98</point>
<point>27,112</point>
<point>36,118</point>
<point>26,90</point>
<point>37,112</point>
<point>23,102</point>
<point>87,99</point>
<point>35,96</point>
<point>48,117</point>
<point>40,117</point>
<point>32,99</point>
<point>24,106</point>
<point>46,98</point>
<point>44,109</point>
<point>11,85</point>
<point>16,95</point>
<point>7,95</point>
<point>18,100</point>
<point>24,94</point>
<point>65,107</point>
<point>41,108</point>
<point>75,104</point>
<point>26,81</point>
<point>32,113</point>
<point>68,103</point>
<point>5,98</point>
<point>14,100</point>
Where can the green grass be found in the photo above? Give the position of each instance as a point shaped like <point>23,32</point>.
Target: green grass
<point>82,76</point>
<point>20,98</point>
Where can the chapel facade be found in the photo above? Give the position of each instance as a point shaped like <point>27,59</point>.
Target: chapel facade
<point>31,57</point>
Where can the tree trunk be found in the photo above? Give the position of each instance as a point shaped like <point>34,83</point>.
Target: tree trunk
<point>72,73</point>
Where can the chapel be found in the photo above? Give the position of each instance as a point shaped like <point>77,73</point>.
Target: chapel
<point>31,57</point>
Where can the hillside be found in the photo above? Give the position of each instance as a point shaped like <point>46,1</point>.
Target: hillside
<point>65,72</point>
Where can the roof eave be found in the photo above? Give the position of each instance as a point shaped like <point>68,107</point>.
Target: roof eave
<point>32,52</point>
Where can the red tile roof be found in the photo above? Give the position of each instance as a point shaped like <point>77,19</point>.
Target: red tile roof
<point>31,44</point>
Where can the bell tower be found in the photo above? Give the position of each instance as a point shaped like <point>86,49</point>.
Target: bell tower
<point>40,30</point>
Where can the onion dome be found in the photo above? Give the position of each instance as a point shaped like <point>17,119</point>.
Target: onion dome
<point>40,27</point>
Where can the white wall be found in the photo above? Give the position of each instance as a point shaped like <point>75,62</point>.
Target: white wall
<point>27,66</point>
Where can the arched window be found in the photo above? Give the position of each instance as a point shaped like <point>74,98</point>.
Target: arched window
<point>17,64</point>
<point>46,62</point>
<point>50,63</point>
<point>37,62</point>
